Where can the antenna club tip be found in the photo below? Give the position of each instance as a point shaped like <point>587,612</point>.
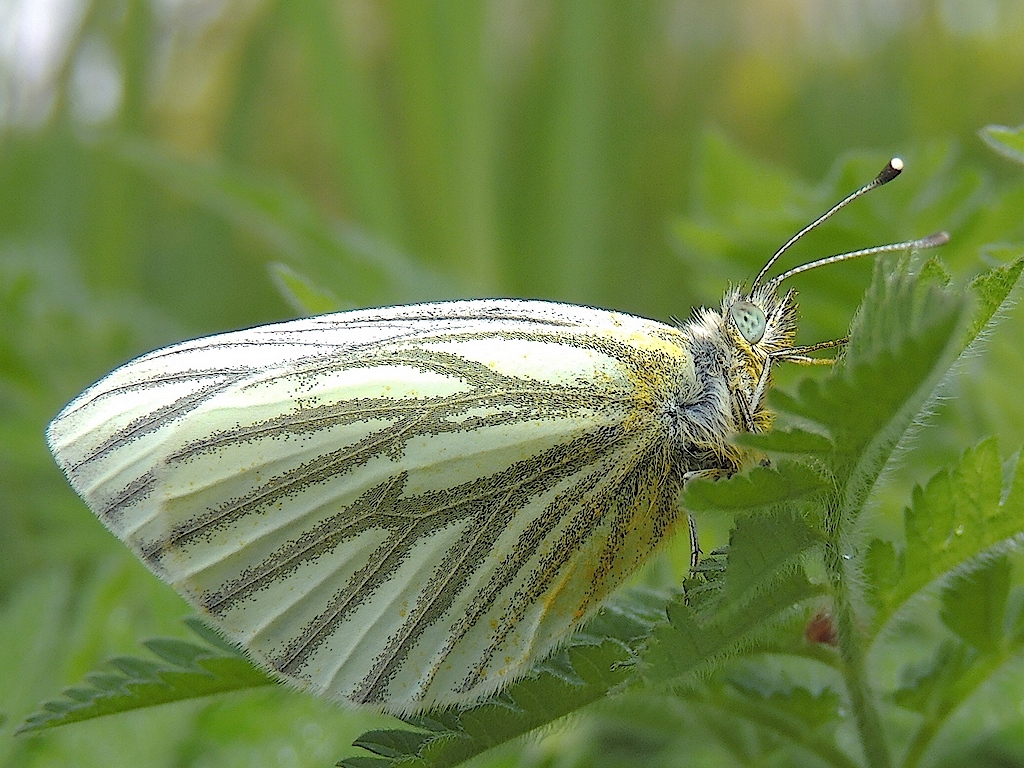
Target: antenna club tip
<point>939,238</point>
<point>892,169</point>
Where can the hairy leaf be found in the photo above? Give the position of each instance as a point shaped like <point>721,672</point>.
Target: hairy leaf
<point>593,663</point>
<point>182,670</point>
<point>957,516</point>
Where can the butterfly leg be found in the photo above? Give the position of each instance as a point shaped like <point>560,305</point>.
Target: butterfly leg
<point>695,550</point>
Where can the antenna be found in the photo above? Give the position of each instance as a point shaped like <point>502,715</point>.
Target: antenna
<point>891,170</point>
<point>931,241</point>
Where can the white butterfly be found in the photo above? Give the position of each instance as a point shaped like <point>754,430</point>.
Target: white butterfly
<point>409,507</point>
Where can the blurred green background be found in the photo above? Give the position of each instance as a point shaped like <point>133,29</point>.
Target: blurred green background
<point>175,168</point>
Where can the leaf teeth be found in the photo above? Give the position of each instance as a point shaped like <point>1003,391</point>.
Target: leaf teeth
<point>958,518</point>
<point>186,670</point>
<point>593,663</point>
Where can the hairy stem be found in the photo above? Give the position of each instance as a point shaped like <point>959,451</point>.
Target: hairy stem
<point>851,649</point>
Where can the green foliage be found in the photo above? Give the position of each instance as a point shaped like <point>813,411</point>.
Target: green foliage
<point>787,481</point>
<point>911,330</point>
<point>185,670</point>
<point>957,517</point>
<point>630,155</point>
<point>592,664</point>
<point>712,644</point>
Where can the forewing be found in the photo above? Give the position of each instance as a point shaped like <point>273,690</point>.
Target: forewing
<point>402,507</point>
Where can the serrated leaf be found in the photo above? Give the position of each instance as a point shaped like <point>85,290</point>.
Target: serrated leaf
<point>975,606</point>
<point>580,673</point>
<point>894,359</point>
<point>904,341</point>
<point>761,549</point>
<point>756,489</point>
<point>210,636</point>
<point>991,290</point>
<point>392,743</point>
<point>694,641</point>
<point>178,653</point>
<point>133,667</point>
<point>186,671</point>
<point>958,515</point>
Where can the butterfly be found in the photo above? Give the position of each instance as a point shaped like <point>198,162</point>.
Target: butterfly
<point>409,507</point>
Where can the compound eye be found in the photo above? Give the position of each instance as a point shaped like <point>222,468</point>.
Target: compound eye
<point>750,320</point>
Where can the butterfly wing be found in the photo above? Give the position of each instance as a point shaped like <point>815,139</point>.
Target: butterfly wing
<point>404,507</point>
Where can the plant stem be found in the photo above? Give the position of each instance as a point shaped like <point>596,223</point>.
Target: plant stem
<point>876,750</point>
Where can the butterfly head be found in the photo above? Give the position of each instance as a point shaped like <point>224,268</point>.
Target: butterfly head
<point>761,323</point>
<point>758,327</point>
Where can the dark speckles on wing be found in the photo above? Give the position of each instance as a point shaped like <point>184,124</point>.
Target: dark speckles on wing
<point>159,418</point>
<point>582,511</point>
<point>493,503</point>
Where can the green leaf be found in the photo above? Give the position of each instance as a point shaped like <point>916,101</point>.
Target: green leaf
<point>762,549</point>
<point>758,488</point>
<point>959,515</point>
<point>890,367</point>
<point>787,441</point>
<point>184,670</point>
<point>910,331</point>
<point>965,673</point>
<point>391,743</point>
<point>974,605</point>
<point>991,291</point>
<point>698,639</point>
<point>1009,142</point>
<point>595,661</point>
